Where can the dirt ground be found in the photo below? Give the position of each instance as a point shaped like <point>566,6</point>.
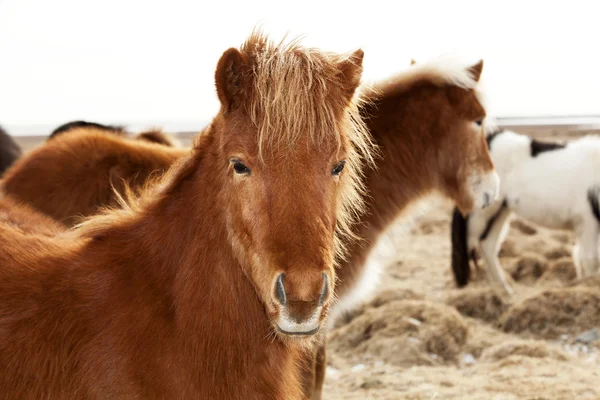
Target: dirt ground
<point>422,338</point>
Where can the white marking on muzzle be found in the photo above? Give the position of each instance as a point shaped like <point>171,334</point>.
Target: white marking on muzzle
<point>289,326</point>
<point>485,189</point>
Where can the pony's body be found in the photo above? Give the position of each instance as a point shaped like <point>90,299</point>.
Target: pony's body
<point>206,286</point>
<point>73,174</point>
<point>550,184</point>
<point>9,151</point>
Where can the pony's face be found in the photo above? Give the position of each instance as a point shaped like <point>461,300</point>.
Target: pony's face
<point>284,198</point>
<point>283,214</point>
<point>469,177</point>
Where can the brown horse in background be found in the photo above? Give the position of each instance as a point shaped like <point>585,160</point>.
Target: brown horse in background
<point>85,166</point>
<point>211,283</point>
<point>427,122</point>
<point>9,151</point>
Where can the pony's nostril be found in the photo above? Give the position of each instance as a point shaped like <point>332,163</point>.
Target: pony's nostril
<point>486,199</point>
<point>325,290</point>
<point>280,290</point>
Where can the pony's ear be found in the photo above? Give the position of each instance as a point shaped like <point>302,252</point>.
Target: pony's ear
<point>412,61</point>
<point>351,69</point>
<point>476,69</point>
<point>230,77</point>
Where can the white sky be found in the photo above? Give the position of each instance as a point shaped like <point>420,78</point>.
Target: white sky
<point>143,61</point>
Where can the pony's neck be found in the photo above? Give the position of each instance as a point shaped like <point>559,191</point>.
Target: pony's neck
<point>403,174</point>
<point>406,171</point>
<point>191,222</point>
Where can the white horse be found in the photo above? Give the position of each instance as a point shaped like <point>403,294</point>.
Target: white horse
<point>552,184</point>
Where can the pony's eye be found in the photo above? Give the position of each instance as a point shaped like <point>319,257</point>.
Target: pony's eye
<point>337,170</point>
<point>240,168</point>
<point>479,122</point>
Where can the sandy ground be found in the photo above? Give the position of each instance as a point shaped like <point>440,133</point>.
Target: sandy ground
<point>422,338</point>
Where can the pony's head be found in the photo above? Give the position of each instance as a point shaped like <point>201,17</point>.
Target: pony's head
<point>291,146</point>
<point>471,180</point>
<point>446,101</point>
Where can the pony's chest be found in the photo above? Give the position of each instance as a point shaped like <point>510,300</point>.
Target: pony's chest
<point>269,372</point>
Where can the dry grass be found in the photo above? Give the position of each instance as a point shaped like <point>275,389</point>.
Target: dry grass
<point>421,338</point>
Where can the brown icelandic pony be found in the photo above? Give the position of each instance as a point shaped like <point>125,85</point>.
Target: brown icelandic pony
<point>73,174</point>
<point>427,122</point>
<point>9,151</point>
<point>211,284</point>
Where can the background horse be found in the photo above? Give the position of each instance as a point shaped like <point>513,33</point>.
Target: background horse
<point>209,285</point>
<point>85,166</point>
<point>549,183</point>
<point>427,123</point>
<point>9,151</point>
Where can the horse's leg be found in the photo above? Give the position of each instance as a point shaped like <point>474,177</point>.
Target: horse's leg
<point>490,245</point>
<point>474,256</point>
<point>320,368</point>
<point>478,224</point>
<point>585,253</point>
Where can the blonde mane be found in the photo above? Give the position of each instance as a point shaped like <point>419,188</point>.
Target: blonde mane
<point>290,98</point>
<point>291,91</point>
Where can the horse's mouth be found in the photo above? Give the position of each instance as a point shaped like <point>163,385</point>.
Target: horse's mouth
<point>486,189</point>
<point>298,333</point>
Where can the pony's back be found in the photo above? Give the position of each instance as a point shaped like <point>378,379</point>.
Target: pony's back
<point>79,127</point>
<point>73,175</point>
<point>589,145</point>
<point>523,161</point>
<point>9,151</point>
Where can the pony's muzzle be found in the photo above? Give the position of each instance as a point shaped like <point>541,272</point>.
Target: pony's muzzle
<point>299,317</point>
<point>486,189</point>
